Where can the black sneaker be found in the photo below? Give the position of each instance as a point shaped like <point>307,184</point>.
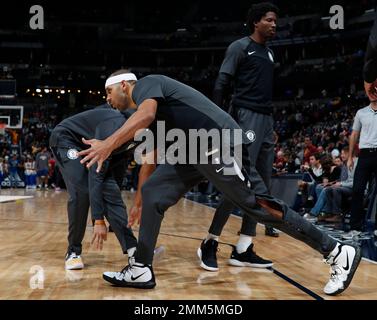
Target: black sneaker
<point>135,275</point>
<point>207,255</point>
<point>271,232</point>
<point>248,259</point>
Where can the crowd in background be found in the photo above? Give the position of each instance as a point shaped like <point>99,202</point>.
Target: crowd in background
<point>309,134</point>
<point>26,161</point>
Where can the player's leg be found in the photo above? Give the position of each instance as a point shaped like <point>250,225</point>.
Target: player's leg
<point>343,259</point>
<point>264,161</point>
<point>76,178</point>
<point>243,253</point>
<point>116,214</point>
<point>162,190</point>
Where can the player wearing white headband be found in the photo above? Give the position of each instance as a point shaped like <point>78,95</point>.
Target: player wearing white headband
<point>113,79</point>
<point>119,85</point>
<point>160,98</point>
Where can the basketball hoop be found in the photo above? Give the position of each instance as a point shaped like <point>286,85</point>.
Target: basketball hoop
<point>2,129</point>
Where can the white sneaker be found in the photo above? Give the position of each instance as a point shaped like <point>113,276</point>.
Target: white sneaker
<point>344,260</point>
<point>137,275</point>
<point>73,262</point>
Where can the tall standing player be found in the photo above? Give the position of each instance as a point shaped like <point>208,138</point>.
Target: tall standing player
<point>249,65</point>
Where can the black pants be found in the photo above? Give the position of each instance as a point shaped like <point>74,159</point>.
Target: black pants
<point>76,179</point>
<point>169,183</point>
<point>366,166</point>
<point>335,197</point>
<point>261,153</point>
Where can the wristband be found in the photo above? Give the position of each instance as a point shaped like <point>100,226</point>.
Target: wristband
<point>100,223</point>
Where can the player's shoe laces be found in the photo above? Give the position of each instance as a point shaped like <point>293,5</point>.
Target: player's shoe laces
<point>136,275</point>
<point>343,261</point>
<point>73,262</point>
<point>207,255</point>
<point>248,259</point>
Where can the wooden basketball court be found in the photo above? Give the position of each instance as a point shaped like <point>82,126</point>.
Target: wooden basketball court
<point>33,244</point>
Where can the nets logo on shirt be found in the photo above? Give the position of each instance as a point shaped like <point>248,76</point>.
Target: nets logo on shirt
<point>251,135</point>
<point>72,154</point>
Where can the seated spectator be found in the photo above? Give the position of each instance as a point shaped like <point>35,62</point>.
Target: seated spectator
<point>310,149</point>
<point>331,177</point>
<point>315,172</point>
<point>331,174</point>
<point>289,163</point>
<point>339,191</point>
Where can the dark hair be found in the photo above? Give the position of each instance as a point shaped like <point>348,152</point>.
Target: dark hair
<point>120,71</point>
<point>316,155</point>
<point>326,162</point>
<point>257,11</point>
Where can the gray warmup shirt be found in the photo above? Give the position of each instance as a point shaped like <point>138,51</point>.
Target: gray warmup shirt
<point>183,107</point>
<point>366,123</point>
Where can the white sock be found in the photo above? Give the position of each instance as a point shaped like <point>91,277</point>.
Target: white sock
<point>211,236</point>
<point>131,251</point>
<point>243,243</point>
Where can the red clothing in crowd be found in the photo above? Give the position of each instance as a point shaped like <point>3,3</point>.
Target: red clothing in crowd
<point>309,151</point>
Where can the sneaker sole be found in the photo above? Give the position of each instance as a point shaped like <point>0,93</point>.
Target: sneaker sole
<point>138,285</point>
<point>237,263</point>
<point>355,264</point>
<point>204,266</point>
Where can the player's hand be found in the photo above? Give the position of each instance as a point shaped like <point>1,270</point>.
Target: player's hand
<point>98,152</point>
<point>135,216</point>
<point>350,163</point>
<point>99,235</point>
<point>370,90</point>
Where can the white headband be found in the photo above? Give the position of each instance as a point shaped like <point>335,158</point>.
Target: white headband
<point>119,78</point>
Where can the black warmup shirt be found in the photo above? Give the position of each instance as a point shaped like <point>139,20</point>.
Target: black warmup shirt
<point>251,65</point>
<point>183,107</point>
<point>98,123</point>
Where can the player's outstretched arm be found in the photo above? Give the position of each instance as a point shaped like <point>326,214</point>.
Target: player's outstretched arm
<point>99,150</point>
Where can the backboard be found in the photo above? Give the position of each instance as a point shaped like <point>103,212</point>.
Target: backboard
<point>12,116</point>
